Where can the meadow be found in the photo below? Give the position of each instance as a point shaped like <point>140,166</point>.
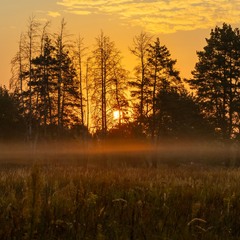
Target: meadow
<point>117,196</point>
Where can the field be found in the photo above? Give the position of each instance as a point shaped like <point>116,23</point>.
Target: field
<point>116,196</point>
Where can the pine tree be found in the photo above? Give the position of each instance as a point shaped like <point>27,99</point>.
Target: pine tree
<point>44,84</point>
<point>162,78</point>
<point>216,80</point>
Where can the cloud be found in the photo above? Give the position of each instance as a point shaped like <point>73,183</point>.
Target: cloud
<point>80,12</point>
<point>54,14</point>
<point>161,16</point>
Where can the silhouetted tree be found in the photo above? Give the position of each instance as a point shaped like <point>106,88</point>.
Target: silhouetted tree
<point>11,122</point>
<point>17,70</point>
<point>21,81</point>
<point>80,53</point>
<point>217,80</point>
<point>60,48</point>
<point>178,117</point>
<point>87,85</point>
<point>31,48</point>
<point>68,95</point>
<point>162,78</point>
<point>109,81</point>
<point>139,91</point>
<point>44,84</point>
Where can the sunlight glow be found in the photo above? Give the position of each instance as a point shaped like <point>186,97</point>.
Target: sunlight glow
<point>116,115</point>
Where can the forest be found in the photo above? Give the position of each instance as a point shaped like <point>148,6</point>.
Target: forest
<point>63,89</point>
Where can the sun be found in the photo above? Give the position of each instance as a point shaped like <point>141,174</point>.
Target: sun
<point>116,115</point>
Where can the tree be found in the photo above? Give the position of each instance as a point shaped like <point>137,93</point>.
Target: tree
<point>32,33</point>
<point>156,74</point>
<point>17,69</point>
<point>109,81</point>
<point>11,122</point>
<point>162,78</point>
<point>44,84</point>
<point>87,93</point>
<point>216,80</point>
<point>60,55</point>
<point>178,117</point>
<point>22,71</point>
<point>79,56</point>
<point>70,103</point>
<point>67,84</point>
<point>119,100</point>
<point>140,85</point>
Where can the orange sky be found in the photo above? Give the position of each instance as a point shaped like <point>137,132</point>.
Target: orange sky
<point>182,25</point>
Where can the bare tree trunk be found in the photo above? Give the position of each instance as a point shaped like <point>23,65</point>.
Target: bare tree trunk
<point>30,77</point>
<point>60,80</point>
<point>103,84</point>
<point>79,56</point>
<point>44,80</point>
<point>118,102</point>
<point>31,34</point>
<point>140,45</point>
<point>142,88</point>
<point>87,96</point>
<point>21,72</point>
<point>154,103</point>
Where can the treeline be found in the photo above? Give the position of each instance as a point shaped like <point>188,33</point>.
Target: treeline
<point>62,88</point>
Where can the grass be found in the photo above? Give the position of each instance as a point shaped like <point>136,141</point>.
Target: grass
<point>100,200</point>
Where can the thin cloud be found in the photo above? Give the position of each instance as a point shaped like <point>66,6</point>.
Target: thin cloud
<point>161,16</point>
<point>54,14</point>
<point>79,12</point>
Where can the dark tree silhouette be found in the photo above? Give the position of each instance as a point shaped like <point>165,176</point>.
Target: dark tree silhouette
<point>162,78</point>
<point>12,124</point>
<point>178,117</point>
<point>217,80</point>
<point>139,85</point>
<point>44,84</point>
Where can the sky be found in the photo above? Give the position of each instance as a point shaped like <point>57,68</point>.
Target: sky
<point>181,25</point>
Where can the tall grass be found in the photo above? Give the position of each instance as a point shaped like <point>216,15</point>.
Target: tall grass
<point>71,202</point>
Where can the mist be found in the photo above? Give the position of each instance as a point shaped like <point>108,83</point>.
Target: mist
<point>115,153</point>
